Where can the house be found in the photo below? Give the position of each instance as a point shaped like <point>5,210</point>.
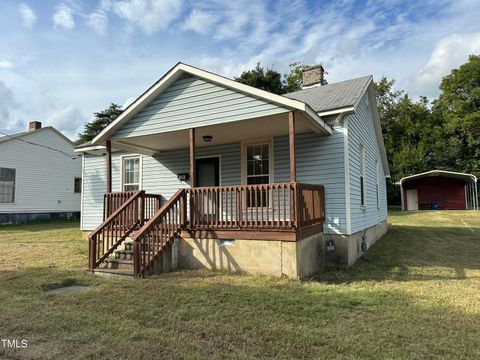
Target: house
<point>439,189</point>
<point>40,176</point>
<point>247,180</point>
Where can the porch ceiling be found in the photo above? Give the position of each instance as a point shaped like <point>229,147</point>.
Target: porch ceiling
<point>262,127</point>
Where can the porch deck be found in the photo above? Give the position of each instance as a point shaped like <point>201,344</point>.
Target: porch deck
<point>280,211</point>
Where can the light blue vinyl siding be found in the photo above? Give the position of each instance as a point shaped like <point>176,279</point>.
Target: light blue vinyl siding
<point>193,102</point>
<point>361,130</point>
<point>159,176</point>
<point>320,160</point>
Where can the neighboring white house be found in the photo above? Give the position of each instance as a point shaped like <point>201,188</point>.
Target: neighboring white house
<point>40,176</point>
<point>261,163</point>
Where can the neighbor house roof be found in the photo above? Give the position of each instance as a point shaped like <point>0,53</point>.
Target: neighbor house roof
<point>442,173</point>
<point>12,136</point>
<point>341,95</point>
<point>26,133</point>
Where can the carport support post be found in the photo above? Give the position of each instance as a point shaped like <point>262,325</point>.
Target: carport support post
<point>193,175</point>
<point>109,167</point>
<point>291,138</point>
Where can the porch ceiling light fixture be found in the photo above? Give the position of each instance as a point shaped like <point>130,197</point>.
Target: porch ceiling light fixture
<point>207,138</point>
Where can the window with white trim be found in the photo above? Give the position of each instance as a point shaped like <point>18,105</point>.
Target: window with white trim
<point>7,185</point>
<point>131,173</point>
<point>362,176</point>
<point>258,172</point>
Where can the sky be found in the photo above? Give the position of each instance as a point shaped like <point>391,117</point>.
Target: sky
<point>60,61</point>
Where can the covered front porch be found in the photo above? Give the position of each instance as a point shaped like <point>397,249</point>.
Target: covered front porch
<point>256,209</point>
<point>257,201</point>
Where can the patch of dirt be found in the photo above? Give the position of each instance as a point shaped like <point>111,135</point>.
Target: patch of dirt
<point>66,286</point>
<point>74,289</point>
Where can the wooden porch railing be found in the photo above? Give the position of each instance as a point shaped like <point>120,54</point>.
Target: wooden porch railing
<point>158,233</point>
<point>310,204</point>
<point>280,206</point>
<point>128,216</point>
<point>112,201</point>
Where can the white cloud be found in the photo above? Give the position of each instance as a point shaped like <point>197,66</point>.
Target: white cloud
<point>63,17</point>
<point>29,18</point>
<point>66,119</point>
<point>200,21</point>
<point>98,22</point>
<point>9,121</point>
<point>450,52</point>
<point>5,63</point>
<point>150,15</point>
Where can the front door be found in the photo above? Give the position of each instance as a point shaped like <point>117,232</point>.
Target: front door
<point>412,199</point>
<point>208,171</point>
<point>208,175</point>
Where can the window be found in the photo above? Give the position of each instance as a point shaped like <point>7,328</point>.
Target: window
<point>378,186</point>
<point>258,172</point>
<point>77,186</point>
<point>131,173</point>
<point>7,185</point>
<point>362,175</point>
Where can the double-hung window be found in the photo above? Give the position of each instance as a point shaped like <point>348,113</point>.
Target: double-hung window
<point>258,172</point>
<point>131,173</point>
<point>7,185</point>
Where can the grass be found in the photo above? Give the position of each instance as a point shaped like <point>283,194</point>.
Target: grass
<point>416,294</point>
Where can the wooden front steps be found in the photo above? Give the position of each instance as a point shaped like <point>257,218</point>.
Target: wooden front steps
<point>120,263</point>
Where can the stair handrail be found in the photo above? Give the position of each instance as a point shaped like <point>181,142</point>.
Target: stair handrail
<point>93,261</point>
<point>158,232</point>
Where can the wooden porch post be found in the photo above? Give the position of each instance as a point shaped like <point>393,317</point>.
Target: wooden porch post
<point>193,175</point>
<point>291,138</point>
<point>109,166</point>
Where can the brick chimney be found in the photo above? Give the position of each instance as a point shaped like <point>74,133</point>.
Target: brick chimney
<point>313,76</point>
<point>34,125</point>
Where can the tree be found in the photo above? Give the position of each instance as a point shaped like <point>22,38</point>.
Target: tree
<point>458,109</point>
<point>102,120</point>
<point>269,80</point>
<point>272,81</point>
<point>408,131</point>
<point>293,81</point>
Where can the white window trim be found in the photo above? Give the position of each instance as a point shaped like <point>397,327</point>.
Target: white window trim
<point>257,141</point>
<point>15,190</point>
<point>271,165</point>
<point>219,165</point>
<point>140,170</point>
<point>363,172</point>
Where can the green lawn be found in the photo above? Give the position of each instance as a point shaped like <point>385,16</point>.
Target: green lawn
<point>416,295</point>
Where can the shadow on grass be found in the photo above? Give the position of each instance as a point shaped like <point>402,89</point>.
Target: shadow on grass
<point>41,225</point>
<point>199,314</point>
<point>414,253</point>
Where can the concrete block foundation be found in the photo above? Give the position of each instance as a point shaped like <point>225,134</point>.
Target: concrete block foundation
<point>296,259</point>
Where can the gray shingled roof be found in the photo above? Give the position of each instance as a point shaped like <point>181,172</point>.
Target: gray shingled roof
<point>332,96</point>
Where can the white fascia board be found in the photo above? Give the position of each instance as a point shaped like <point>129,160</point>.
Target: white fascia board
<point>344,110</point>
<point>89,148</point>
<point>180,68</point>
